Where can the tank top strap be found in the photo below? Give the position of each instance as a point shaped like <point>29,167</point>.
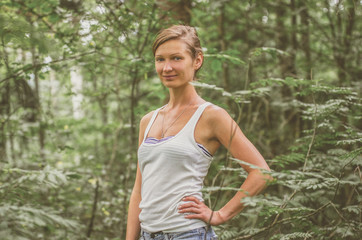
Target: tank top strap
<point>195,118</point>
<point>153,118</point>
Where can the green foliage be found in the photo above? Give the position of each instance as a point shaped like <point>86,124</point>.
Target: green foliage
<point>288,72</point>
<point>313,175</point>
<point>20,211</point>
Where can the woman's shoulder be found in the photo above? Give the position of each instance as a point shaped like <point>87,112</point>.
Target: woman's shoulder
<point>220,123</point>
<point>146,118</point>
<point>215,113</point>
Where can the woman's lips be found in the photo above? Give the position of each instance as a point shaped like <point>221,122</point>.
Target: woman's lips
<point>169,77</point>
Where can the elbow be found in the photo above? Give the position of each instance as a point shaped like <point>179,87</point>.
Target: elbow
<point>266,173</point>
<point>267,177</point>
<point>264,176</point>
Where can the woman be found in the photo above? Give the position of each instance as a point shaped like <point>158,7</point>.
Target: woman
<point>176,144</point>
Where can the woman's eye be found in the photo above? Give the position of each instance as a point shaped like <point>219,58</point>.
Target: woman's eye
<point>159,59</point>
<point>177,58</point>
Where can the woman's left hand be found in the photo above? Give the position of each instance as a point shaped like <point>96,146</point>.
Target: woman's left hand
<point>196,209</point>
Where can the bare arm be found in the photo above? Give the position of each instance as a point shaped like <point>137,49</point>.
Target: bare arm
<point>241,148</point>
<point>133,223</point>
<point>227,133</point>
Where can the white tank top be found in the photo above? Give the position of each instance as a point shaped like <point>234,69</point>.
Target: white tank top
<point>171,170</point>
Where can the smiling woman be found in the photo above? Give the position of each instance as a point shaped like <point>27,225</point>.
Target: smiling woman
<point>174,64</point>
<point>176,144</point>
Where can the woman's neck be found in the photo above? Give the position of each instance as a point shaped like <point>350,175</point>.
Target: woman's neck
<point>183,96</point>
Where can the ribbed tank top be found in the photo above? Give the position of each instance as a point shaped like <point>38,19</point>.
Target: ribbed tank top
<point>171,170</point>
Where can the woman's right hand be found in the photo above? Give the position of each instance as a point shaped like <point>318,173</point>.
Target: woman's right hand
<point>197,209</point>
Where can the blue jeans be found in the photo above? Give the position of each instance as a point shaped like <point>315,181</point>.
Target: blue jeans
<point>195,234</point>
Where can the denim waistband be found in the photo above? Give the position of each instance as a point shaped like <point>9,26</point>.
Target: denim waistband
<point>174,235</point>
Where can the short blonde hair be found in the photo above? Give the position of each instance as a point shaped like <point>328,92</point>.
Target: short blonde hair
<point>179,32</point>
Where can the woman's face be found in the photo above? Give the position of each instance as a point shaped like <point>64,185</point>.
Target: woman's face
<point>174,64</point>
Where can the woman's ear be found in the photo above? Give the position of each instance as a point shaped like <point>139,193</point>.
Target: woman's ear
<point>198,61</point>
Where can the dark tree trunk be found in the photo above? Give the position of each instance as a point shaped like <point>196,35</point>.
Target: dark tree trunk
<point>4,107</point>
<point>179,10</point>
<point>36,67</point>
<point>286,62</point>
<point>304,35</point>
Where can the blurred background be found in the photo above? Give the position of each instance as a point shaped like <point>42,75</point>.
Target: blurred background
<point>77,76</point>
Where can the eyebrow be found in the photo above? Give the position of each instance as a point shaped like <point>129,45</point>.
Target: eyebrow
<point>170,54</point>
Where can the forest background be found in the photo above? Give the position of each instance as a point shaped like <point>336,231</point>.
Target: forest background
<point>77,76</point>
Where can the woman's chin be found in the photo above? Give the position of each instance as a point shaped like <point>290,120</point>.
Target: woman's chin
<point>173,85</point>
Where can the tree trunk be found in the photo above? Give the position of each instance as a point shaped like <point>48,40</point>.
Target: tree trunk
<point>287,43</point>
<point>36,67</point>
<point>347,39</point>
<point>305,42</point>
<point>4,107</point>
<point>180,10</point>
<point>286,62</point>
<point>223,47</point>
<point>76,80</point>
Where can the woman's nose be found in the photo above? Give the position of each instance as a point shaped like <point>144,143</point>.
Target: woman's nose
<point>167,67</point>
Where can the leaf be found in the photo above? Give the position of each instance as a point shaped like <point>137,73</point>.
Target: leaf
<point>296,235</point>
<point>73,175</point>
<point>353,209</point>
<point>221,56</point>
<point>216,65</point>
<point>51,177</point>
<point>272,51</point>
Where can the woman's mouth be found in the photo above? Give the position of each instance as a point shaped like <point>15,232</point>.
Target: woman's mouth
<point>169,77</point>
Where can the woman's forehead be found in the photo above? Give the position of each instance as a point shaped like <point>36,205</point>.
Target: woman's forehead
<point>172,47</point>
